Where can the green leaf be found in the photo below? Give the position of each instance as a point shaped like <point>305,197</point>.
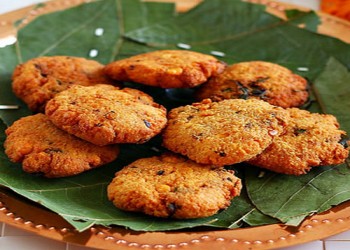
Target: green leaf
<point>248,213</point>
<point>257,218</point>
<point>243,32</point>
<point>309,19</point>
<point>8,62</point>
<point>234,20</point>
<point>291,198</point>
<point>72,32</point>
<point>82,200</point>
<point>332,92</point>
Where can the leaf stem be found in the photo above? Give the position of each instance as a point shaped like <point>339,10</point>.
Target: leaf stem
<point>119,41</point>
<point>18,52</point>
<point>242,218</point>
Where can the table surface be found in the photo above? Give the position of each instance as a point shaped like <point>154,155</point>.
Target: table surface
<point>13,238</point>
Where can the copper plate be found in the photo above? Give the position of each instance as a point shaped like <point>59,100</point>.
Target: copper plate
<point>22,213</point>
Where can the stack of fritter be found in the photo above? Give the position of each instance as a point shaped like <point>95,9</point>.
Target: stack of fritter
<point>246,112</point>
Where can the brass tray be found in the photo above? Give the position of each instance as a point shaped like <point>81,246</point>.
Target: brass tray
<point>24,214</point>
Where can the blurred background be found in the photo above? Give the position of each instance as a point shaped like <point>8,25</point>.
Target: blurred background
<point>340,8</point>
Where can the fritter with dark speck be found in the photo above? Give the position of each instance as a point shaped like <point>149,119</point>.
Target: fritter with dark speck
<point>259,80</point>
<point>225,132</point>
<point>166,68</point>
<point>172,186</point>
<point>310,140</point>
<point>103,114</point>
<point>39,79</point>
<point>43,148</point>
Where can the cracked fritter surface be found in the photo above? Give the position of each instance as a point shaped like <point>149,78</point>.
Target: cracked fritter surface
<point>43,148</point>
<point>260,80</point>
<point>310,140</point>
<point>166,68</point>
<point>171,186</point>
<point>103,114</point>
<point>38,80</point>
<point>225,132</point>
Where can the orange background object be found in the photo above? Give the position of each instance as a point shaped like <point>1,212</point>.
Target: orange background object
<point>340,8</point>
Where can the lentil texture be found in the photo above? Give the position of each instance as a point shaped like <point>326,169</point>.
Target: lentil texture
<point>223,133</point>
<point>259,80</point>
<point>166,68</point>
<point>310,140</point>
<point>103,114</point>
<point>172,186</point>
<point>44,149</point>
<point>40,79</point>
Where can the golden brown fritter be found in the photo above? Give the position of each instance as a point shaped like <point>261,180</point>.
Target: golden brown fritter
<point>38,80</point>
<point>310,140</point>
<point>166,68</point>
<point>260,80</point>
<point>43,148</point>
<point>171,186</point>
<point>223,133</point>
<point>103,114</point>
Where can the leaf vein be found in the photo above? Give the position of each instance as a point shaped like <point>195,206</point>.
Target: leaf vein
<point>73,31</point>
<point>300,190</point>
<point>65,188</point>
